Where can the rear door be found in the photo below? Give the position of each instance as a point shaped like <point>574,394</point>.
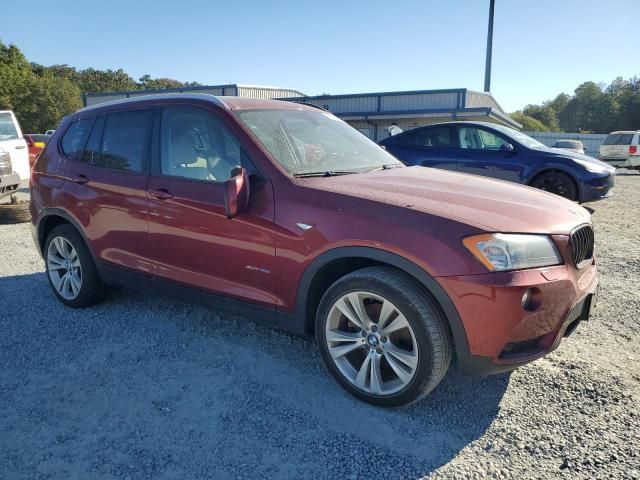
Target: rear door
<point>106,181</point>
<point>192,242</point>
<point>483,152</point>
<point>12,141</point>
<point>428,146</point>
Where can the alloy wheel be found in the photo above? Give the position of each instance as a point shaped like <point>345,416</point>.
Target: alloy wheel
<point>64,268</point>
<point>371,343</point>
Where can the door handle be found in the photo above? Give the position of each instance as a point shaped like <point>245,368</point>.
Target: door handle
<point>80,179</point>
<point>161,193</point>
<point>20,147</point>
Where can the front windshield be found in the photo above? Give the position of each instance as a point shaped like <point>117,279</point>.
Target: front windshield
<point>306,141</point>
<point>520,137</point>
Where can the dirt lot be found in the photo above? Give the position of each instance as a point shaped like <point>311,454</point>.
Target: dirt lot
<point>145,387</point>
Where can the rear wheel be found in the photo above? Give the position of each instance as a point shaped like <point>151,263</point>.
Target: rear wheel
<point>382,338</point>
<point>557,182</point>
<point>70,269</point>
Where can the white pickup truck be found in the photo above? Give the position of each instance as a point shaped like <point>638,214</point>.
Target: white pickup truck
<point>14,168</point>
<point>13,143</point>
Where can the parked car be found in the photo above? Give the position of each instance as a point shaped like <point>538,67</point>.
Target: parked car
<point>49,132</point>
<point>35,143</point>
<point>11,141</point>
<point>571,145</point>
<point>500,152</point>
<point>284,213</point>
<point>621,149</point>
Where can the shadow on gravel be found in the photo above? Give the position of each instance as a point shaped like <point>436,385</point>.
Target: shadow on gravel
<point>142,386</point>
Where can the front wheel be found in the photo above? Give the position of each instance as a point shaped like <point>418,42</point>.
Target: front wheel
<point>382,338</point>
<point>557,182</point>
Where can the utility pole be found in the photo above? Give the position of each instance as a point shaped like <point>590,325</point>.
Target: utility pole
<point>487,65</point>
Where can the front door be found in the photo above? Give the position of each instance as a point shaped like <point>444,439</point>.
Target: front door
<point>485,152</point>
<point>192,242</point>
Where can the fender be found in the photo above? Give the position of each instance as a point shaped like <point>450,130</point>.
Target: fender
<point>427,281</point>
<point>58,212</point>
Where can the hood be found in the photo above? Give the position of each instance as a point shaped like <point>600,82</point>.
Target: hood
<point>487,204</point>
<point>582,159</point>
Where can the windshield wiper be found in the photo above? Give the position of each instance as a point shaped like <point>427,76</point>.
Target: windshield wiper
<point>326,173</point>
<point>386,166</point>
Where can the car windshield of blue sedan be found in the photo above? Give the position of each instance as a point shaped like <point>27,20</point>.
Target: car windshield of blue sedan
<point>305,142</point>
<point>521,138</point>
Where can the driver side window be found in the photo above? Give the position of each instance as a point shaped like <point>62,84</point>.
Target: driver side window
<point>479,139</point>
<point>195,144</point>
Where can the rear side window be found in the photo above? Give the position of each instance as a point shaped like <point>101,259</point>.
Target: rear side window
<point>8,130</point>
<point>618,139</point>
<point>429,137</point>
<point>75,137</point>
<point>125,141</point>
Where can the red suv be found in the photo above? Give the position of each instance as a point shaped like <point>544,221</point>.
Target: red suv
<point>283,213</point>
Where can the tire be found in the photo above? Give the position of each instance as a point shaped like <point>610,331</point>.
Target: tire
<point>557,182</point>
<point>11,213</point>
<point>405,375</point>
<point>84,286</point>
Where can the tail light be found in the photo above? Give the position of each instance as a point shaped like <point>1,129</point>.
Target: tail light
<point>633,149</point>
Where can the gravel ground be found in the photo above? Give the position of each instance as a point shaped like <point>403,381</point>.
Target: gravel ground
<point>146,387</point>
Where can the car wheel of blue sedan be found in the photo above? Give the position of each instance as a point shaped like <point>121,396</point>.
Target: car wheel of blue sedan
<point>558,183</point>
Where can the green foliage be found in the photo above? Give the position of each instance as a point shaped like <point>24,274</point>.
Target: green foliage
<point>41,96</point>
<point>529,124</point>
<point>592,108</point>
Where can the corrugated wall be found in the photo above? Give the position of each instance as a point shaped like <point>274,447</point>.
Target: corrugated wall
<point>591,141</point>
<point>478,99</point>
<point>266,93</point>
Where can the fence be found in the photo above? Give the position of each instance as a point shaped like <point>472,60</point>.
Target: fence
<point>591,141</point>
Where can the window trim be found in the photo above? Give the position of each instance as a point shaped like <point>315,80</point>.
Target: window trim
<point>156,161</point>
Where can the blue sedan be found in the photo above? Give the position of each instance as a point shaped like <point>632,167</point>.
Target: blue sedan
<point>500,152</point>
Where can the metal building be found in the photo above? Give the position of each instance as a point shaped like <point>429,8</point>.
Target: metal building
<point>371,113</point>
<point>234,90</point>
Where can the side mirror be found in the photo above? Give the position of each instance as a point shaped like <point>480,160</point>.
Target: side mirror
<point>507,147</point>
<point>236,192</point>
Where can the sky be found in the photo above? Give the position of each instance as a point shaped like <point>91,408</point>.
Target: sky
<point>541,47</point>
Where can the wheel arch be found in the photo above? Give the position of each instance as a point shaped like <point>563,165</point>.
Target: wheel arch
<point>559,169</point>
<point>52,218</point>
<point>333,264</point>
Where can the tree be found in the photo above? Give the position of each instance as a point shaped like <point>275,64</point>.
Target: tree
<point>15,75</point>
<point>545,114</point>
<point>529,124</point>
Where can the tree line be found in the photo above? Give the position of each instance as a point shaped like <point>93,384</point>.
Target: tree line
<point>593,108</point>
<point>41,96</point>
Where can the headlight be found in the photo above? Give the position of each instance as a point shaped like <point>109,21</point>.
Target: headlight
<point>592,167</point>
<point>505,251</point>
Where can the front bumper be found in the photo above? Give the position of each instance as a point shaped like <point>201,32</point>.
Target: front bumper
<point>9,184</point>
<point>598,188</point>
<point>501,334</point>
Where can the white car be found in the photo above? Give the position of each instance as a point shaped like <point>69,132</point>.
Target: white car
<point>621,149</point>
<point>12,142</point>
<point>573,145</point>
<point>49,132</point>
